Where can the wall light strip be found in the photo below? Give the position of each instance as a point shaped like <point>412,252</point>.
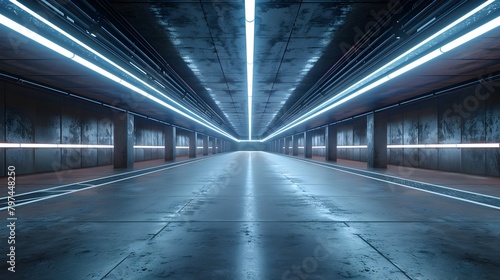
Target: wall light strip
<point>51,45</point>
<point>352,91</point>
<point>53,146</point>
<point>148,147</point>
<point>441,146</point>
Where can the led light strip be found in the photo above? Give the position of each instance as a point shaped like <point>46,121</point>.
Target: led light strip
<point>53,46</point>
<point>352,91</point>
<point>419,146</point>
<point>249,33</point>
<point>76,146</point>
<point>353,147</point>
<point>54,146</point>
<point>440,146</point>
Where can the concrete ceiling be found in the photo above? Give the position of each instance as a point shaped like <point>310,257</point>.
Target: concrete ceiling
<point>305,53</point>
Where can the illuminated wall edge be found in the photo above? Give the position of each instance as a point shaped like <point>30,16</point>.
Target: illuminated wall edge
<point>84,146</point>
<point>352,92</point>
<point>28,33</point>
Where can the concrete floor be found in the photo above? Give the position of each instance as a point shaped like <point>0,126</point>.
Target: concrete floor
<point>253,215</point>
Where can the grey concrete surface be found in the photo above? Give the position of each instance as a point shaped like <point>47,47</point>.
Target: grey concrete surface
<point>254,215</point>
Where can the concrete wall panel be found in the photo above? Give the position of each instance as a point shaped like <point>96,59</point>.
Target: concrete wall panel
<point>473,161</point>
<point>428,124</point>
<point>449,122</point>
<point>71,158</point>
<point>428,158</point>
<point>449,160</point>
<point>47,160</point>
<point>410,125</point>
<point>395,137</point>
<point>493,162</point>
<point>89,157</point>
<point>22,159</point>
<point>105,137</point>
<point>2,129</point>
<point>48,121</point>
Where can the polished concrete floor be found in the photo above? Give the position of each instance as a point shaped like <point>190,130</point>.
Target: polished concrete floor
<point>251,215</point>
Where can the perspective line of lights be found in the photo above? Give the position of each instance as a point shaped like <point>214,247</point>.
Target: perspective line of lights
<point>68,54</point>
<point>249,34</point>
<point>79,146</point>
<point>418,146</point>
<point>90,146</point>
<point>353,91</point>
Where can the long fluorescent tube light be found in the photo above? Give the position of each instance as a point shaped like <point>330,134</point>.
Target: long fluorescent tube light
<point>353,92</point>
<point>441,146</point>
<point>51,45</point>
<point>250,37</point>
<point>353,147</point>
<point>53,146</point>
<point>90,146</point>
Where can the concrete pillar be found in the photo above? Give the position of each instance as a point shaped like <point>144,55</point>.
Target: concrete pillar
<point>205,145</point>
<point>3,131</point>
<point>170,143</point>
<point>376,134</point>
<point>331,143</point>
<point>123,140</point>
<point>308,144</point>
<point>192,143</point>
<point>219,149</point>
<point>287,146</point>
<point>214,146</point>
<point>295,145</point>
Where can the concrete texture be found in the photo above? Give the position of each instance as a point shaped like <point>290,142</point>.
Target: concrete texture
<point>295,145</point>
<point>331,143</point>
<point>170,143</point>
<point>192,142</point>
<point>3,168</point>
<point>376,134</point>
<point>253,215</point>
<point>148,133</point>
<point>123,124</point>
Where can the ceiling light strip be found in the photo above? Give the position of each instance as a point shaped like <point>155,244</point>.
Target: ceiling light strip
<point>45,42</point>
<point>428,57</point>
<point>250,37</point>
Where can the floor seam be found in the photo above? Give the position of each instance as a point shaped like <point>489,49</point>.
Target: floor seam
<point>380,253</point>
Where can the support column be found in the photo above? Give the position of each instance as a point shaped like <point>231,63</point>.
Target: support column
<point>170,143</point>
<point>214,146</point>
<point>219,142</point>
<point>287,146</point>
<point>3,131</point>
<point>376,134</point>
<point>295,145</point>
<point>308,151</point>
<point>331,143</point>
<point>123,140</point>
<point>205,145</point>
<point>192,143</point>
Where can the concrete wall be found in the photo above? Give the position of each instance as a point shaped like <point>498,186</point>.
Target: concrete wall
<point>318,139</point>
<point>466,116</point>
<point>182,140</point>
<point>470,115</point>
<point>148,133</point>
<point>352,133</point>
<point>34,116</point>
